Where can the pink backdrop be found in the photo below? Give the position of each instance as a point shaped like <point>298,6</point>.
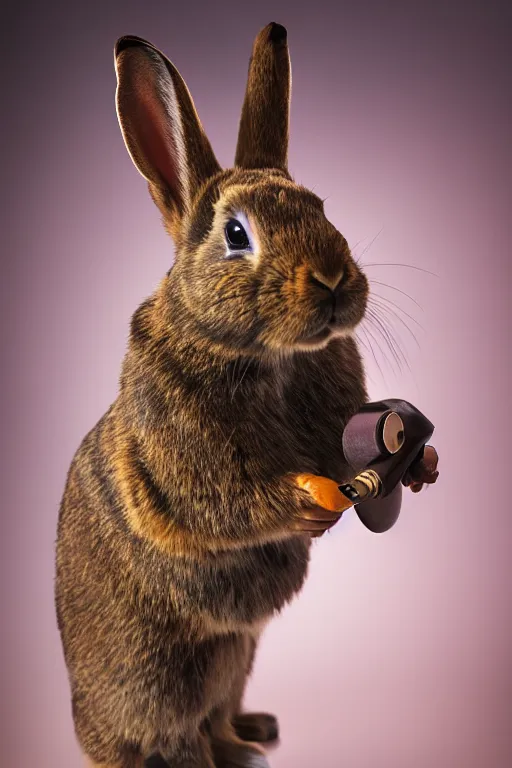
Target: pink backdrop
<point>397,653</point>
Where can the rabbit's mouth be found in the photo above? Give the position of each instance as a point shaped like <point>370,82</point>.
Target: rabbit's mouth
<point>318,340</point>
<point>319,337</point>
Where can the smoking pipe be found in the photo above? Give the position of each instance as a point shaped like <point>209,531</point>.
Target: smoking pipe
<point>385,444</point>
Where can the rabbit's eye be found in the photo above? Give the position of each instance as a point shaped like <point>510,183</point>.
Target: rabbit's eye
<point>236,235</point>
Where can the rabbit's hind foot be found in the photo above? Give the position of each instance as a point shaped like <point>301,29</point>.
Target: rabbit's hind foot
<point>256,726</point>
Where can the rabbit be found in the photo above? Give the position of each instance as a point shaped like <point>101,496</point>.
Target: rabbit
<point>189,510</point>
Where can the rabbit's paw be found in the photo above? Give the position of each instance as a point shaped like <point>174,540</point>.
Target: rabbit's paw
<point>256,726</point>
<point>323,504</point>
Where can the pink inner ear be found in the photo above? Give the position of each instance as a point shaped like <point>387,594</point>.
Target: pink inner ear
<point>151,130</point>
<point>156,140</point>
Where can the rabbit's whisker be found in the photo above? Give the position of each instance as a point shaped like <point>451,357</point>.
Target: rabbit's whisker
<point>364,330</point>
<point>228,440</point>
<point>380,323</point>
<point>408,266</point>
<point>358,259</point>
<point>249,361</point>
<point>385,322</point>
<point>393,288</point>
<point>390,341</point>
<point>376,302</point>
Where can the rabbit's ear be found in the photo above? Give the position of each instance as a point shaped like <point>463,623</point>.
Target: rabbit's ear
<point>160,125</point>
<point>263,132</point>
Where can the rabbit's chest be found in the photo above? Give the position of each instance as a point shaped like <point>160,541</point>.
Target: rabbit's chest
<point>302,431</point>
<point>243,590</point>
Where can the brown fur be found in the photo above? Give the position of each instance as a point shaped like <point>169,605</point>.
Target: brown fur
<point>176,538</point>
<point>137,762</point>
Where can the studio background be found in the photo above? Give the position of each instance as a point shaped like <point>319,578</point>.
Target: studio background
<point>397,652</point>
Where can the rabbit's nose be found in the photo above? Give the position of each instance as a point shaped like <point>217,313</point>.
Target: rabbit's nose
<point>332,292</point>
<point>326,296</point>
<point>327,282</point>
